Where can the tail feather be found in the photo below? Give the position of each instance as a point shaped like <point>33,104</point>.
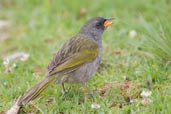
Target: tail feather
<point>36,90</point>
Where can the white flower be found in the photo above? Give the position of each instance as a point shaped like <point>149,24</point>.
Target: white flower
<point>133,100</point>
<point>6,61</point>
<point>95,106</point>
<point>14,65</point>
<point>132,33</point>
<point>24,57</point>
<point>146,93</point>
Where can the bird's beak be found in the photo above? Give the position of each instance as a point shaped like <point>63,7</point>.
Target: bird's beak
<point>108,22</point>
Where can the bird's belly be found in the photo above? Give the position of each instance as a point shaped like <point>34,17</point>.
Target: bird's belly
<point>84,73</point>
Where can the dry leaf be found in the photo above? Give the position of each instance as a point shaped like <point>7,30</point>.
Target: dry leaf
<point>121,105</point>
<point>8,69</point>
<point>23,56</point>
<point>118,51</point>
<point>146,101</point>
<point>127,84</point>
<point>104,88</point>
<point>83,12</point>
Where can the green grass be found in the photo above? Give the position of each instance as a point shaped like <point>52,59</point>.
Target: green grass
<point>158,39</point>
<point>41,27</point>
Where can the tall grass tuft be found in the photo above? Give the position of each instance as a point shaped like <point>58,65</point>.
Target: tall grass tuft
<point>157,39</point>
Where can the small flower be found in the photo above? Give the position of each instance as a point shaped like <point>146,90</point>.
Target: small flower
<point>24,57</point>
<point>146,101</point>
<point>146,93</point>
<point>6,61</point>
<point>14,65</point>
<point>132,33</point>
<point>95,106</point>
<point>133,100</point>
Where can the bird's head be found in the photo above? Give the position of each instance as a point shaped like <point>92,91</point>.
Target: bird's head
<point>96,26</point>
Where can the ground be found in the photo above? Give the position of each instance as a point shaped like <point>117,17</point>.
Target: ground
<point>39,28</point>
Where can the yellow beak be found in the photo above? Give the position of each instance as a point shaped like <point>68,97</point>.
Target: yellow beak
<point>108,23</point>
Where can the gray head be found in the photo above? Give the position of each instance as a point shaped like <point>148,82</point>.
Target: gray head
<point>95,27</point>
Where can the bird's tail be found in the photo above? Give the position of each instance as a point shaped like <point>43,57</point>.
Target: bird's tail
<point>36,90</point>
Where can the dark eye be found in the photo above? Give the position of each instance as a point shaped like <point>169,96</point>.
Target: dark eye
<point>98,25</point>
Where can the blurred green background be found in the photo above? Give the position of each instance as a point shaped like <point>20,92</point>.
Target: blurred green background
<point>137,46</point>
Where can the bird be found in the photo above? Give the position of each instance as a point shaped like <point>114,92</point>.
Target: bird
<point>76,61</point>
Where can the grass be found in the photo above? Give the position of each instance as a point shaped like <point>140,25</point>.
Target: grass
<point>41,27</point>
<point>158,40</point>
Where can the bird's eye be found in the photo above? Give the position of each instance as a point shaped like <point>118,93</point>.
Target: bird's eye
<point>98,25</point>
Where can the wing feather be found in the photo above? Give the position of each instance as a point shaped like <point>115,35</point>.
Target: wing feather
<point>75,52</point>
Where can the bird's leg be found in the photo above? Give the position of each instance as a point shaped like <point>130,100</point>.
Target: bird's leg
<point>63,89</point>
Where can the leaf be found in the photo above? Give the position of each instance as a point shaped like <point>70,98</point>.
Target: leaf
<point>105,88</point>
